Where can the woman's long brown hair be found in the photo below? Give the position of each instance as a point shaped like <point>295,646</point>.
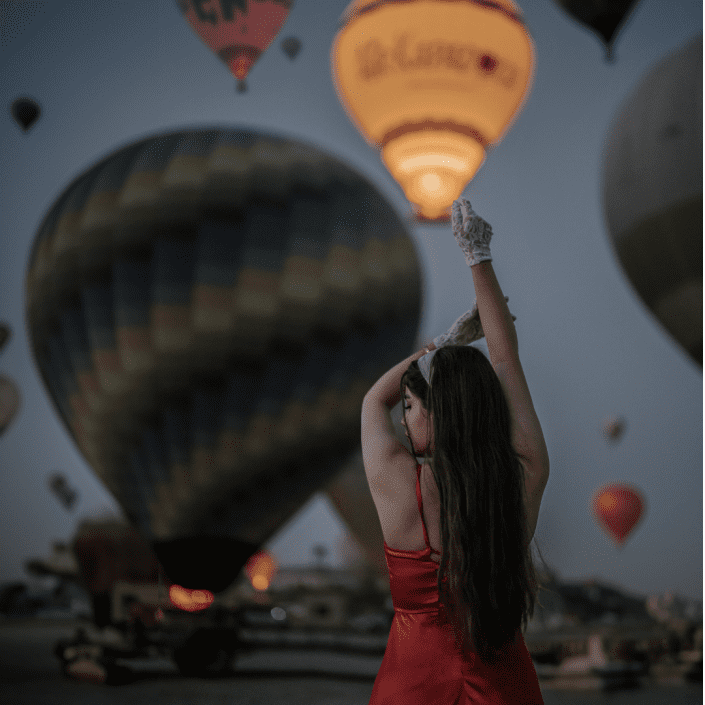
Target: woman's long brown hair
<point>487,582</point>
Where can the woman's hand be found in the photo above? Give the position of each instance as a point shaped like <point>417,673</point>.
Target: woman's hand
<point>471,232</point>
<point>467,329</point>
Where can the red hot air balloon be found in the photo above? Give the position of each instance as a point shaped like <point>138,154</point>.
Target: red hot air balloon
<point>618,508</point>
<point>238,31</point>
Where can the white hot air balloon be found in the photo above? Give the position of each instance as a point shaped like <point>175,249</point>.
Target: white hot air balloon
<point>653,192</point>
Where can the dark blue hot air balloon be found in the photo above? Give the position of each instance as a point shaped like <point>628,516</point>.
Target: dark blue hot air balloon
<point>207,309</point>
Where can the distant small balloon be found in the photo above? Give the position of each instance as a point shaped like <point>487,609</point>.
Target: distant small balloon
<point>614,428</point>
<point>63,491</point>
<point>5,334</point>
<point>25,111</point>
<point>9,402</point>
<point>618,508</point>
<point>291,47</point>
<point>604,17</point>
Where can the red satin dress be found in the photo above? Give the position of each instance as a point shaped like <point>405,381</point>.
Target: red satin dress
<point>422,665</point>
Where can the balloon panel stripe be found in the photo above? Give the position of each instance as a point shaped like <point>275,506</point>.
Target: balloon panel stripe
<point>220,244</point>
<point>131,291</point>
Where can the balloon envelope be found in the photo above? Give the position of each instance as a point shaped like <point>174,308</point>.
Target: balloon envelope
<point>614,428</point>
<point>25,112</point>
<point>9,402</point>
<point>604,17</point>
<point>618,508</point>
<point>653,193</point>
<point>432,85</point>
<point>62,490</point>
<point>5,334</point>
<point>291,47</point>
<point>238,32</point>
<point>207,309</point>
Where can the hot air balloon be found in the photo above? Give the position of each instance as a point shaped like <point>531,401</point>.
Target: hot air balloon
<point>238,32</point>
<point>614,428</point>
<point>432,85</point>
<point>66,494</point>
<point>618,508</point>
<point>25,112</point>
<point>604,17</point>
<point>653,193</point>
<point>260,569</point>
<point>5,334</point>
<point>207,309</point>
<point>291,47</point>
<point>9,402</point>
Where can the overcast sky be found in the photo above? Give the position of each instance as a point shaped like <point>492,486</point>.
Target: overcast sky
<point>109,74</point>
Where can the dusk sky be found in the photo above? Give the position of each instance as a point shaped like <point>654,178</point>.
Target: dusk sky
<point>108,74</point>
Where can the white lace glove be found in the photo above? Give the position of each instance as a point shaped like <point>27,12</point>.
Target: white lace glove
<point>467,329</point>
<point>471,232</point>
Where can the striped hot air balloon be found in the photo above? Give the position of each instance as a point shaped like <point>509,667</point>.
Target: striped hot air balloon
<point>207,309</point>
<point>653,193</point>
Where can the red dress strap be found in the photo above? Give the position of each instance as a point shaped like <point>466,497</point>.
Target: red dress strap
<point>418,497</point>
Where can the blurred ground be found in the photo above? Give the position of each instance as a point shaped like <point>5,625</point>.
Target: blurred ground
<point>30,675</point>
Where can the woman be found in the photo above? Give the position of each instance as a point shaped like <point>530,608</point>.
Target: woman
<point>474,503</point>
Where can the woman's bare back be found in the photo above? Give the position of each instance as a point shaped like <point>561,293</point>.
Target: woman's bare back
<point>431,510</point>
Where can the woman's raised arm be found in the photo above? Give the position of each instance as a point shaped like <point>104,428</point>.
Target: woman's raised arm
<point>497,323</point>
<point>473,235</point>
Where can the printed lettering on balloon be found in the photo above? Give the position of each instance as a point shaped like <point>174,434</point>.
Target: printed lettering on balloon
<point>202,15</point>
<point>374,59</point>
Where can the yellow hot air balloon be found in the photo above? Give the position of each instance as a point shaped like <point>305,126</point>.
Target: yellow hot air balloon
<point>653,192</point>
<point>432,84</point>
<point>207,309</point>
